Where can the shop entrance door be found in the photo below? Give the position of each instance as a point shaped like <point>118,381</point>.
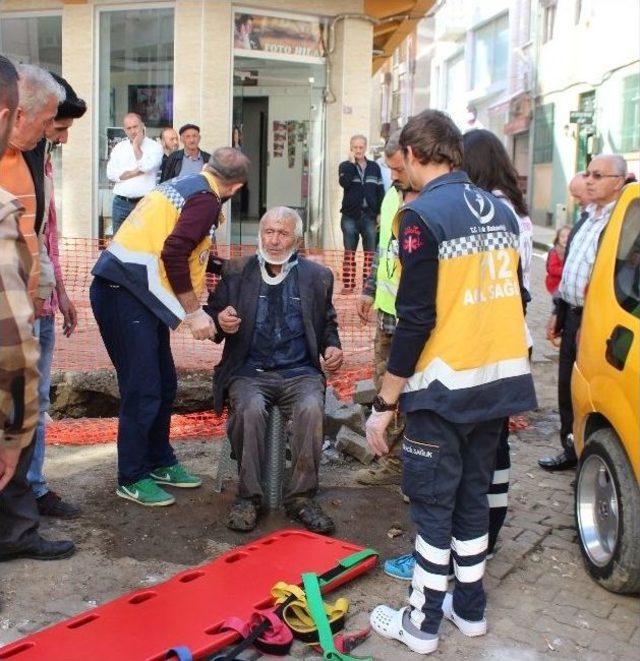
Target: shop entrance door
<point>277,123</point>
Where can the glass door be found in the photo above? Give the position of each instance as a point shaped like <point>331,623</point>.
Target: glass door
<point>278,122</point>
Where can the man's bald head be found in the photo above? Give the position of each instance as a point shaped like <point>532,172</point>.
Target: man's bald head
<point>578,190</point>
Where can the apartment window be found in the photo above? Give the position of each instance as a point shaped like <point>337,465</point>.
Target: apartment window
<point>455,83</point>
<point>491,52</point>
<point>543,143</point>
<point>548,19</point>
<point>630,138</point>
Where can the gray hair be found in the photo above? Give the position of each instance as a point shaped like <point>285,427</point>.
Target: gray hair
<point>284,213</point>
<point>359,136</point>
<point>230,165</point>
<point>393,144</point>
<point>35,87</point>
<point>618,162</point>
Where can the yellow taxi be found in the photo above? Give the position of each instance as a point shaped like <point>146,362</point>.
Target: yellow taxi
<point>606,400</point>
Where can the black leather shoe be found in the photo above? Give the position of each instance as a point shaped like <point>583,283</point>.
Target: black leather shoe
<point>311,516</point>
<point>42,549</point>
<point>52,505</point>
<point>561,462</point>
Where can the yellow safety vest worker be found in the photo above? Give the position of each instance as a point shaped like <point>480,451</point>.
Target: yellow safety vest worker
<point>388,274</point>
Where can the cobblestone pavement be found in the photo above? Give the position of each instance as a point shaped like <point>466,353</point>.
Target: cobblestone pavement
<point>541,602</point>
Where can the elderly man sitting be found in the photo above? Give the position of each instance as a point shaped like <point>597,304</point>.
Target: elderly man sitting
<point>275,312</point>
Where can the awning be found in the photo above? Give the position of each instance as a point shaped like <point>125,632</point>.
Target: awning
<point>397,19</point>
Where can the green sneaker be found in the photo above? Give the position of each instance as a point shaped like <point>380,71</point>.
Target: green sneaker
<point>176,476</point>
<point>146,492</point>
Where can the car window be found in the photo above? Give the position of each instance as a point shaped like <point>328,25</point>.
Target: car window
<point>627,272</point>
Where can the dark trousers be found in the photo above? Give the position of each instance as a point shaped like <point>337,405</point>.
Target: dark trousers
<point>301,400</point>
<point>568,351</point>
<point>19,516</point>
<point>446,473</point>
<point>120,209</point>
<point>352,230</point>
<point>499,487</point>
<point>138,346</point>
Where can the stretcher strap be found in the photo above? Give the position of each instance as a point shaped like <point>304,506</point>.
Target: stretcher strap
<point>316,607</point>
<point>343,565</point>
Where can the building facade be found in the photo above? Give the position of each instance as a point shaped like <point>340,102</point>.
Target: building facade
<point>545,75</point>
<point>587,97</point>
<point>287,82</point>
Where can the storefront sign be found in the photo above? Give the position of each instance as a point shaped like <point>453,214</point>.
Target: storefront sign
<point>581,117</point>
<point>277,36</point>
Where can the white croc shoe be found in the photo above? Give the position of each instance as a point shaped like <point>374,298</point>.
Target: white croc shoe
<point>388,623</point>
<point>467,627</point>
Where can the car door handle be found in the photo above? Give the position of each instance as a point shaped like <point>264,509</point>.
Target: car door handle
<point>618,346</point>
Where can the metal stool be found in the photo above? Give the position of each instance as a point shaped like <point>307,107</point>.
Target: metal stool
<point>274,464</point>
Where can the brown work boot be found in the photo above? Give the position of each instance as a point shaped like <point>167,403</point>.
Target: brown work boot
<point>387,470</point>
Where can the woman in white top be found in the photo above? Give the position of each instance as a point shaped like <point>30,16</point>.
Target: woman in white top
<point>489,167</point>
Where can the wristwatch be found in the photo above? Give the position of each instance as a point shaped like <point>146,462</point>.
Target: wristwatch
<point>379,405</point>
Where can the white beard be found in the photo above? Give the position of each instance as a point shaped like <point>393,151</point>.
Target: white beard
<point>272,260</point>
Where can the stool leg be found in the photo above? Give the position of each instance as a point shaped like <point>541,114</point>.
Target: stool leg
<point>274,465</point>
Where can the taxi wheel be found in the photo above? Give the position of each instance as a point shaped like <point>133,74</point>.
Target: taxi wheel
<point>607,508</point>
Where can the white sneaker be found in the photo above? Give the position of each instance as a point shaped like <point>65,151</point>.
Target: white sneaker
<point>467,627</point>
<point>388,623</point>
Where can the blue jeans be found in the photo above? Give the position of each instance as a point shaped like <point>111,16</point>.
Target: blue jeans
<point>120,209</point>
<point>46,332</point>
<point>352,230</point>
<point>138,346</point>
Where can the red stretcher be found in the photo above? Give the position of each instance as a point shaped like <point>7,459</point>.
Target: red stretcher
<point>189,609</point>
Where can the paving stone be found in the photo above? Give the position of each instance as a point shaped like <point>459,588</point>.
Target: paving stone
<point>498,568</point>
<point>578,635</point>
<point>616,624</point>
<point>530,538</point>
<point>365,392</point>
<point>355,445</point>
<point>600,607</point>
<point>612,645</point>
<point>555,542</point>
<point>559,521</point>
<point>568,534</point>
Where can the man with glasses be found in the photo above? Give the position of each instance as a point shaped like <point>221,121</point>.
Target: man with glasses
<point>604,178</point>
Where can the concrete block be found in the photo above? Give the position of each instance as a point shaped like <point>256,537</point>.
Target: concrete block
<point>355,445</point>
<point>337,414</point>
<point>365,392</point>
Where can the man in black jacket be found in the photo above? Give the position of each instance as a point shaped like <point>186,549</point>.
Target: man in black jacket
<point>188,160</point>
<point>275,312</point>
<point>361,180</point>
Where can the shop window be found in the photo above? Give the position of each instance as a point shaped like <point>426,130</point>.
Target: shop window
<point>136,75</point>
<point>630,114</point>
<point>33,40</point>
<point>491,52</point>
<point>627,272</point>
<point>543,143</point>
<point>36,40</point>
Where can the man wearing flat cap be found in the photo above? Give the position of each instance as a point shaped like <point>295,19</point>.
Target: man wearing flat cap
<point>188,160</point>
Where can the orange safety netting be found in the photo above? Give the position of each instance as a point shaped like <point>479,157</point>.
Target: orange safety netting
<point>84,350</point>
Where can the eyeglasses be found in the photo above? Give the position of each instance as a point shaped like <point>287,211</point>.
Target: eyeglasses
<point>598,175</point>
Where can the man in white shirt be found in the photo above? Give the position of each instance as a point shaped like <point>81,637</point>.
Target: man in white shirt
<point>133,166</point>
<point>604,178</point>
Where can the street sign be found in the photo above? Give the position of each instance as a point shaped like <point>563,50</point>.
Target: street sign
<point>581,117</point>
